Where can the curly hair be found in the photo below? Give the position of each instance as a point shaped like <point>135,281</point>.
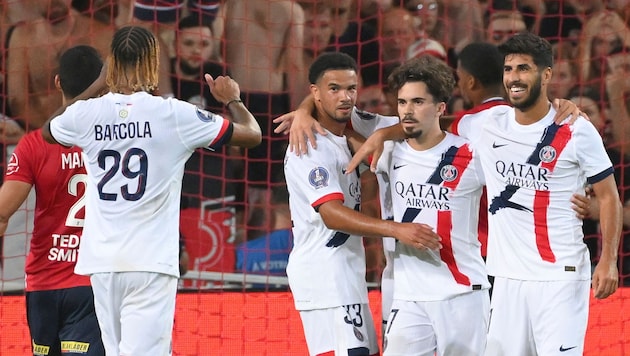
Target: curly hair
<point>434,73</point>
<point>134,60</point>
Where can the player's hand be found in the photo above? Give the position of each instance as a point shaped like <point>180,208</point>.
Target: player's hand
<point>420,236</point>
<point>223,88</point>
<point>605,279</point>
<point>586,206</point>
<point>566,109</point>
<point>10,131</point>
<point>372,149</point>
<point>301,126</point>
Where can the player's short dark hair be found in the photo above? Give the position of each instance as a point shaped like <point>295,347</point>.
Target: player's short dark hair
<point>483,61</point>
<point>530,44</point>
<point>434,73</point>
<point>330,61</point>
<point>192,21</point>
<point>136,49</point>
<point>79,67</point>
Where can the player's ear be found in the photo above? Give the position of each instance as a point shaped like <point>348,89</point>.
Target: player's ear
<point>57,82</point>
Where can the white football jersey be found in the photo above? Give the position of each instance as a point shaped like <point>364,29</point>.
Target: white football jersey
<point>326,268</point>
<point>531,173</point>
<point>470,123</point>
<point>440,187</point>
<point>135,147</point>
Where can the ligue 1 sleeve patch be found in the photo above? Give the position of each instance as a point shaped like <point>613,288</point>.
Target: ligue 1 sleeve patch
<point>318,177</point>
<point>204,115</point>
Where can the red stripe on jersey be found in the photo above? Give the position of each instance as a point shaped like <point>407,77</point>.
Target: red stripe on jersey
<point>541,206</point>
<point>224,128</point>
<point>328,353</point>
<point>475,110</point>
<point>541,199</point>
<point>482,227</point>
<point>327,198</point>
<point>559,143</point>
<point>463,156</point>
<point>444,227</point>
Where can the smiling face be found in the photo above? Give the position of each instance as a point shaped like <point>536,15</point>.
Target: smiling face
<point>418,111</point>
<point>335,95</point>
<point>524,82</point>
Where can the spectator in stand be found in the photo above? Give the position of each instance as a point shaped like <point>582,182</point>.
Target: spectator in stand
<point>208,175</point>
<point>504,24</point>
<point>34,50</point>
<point>565,72</point>
<point>59,303</point>
<point>264,44</point>
<point>354,39</point>
<point>370,10</point>
<point>453,24</point>
<point>602,33</point>
<point>318,29</point>
<point>560,23</point>
<point>372,99</point>
<point>399,40</point>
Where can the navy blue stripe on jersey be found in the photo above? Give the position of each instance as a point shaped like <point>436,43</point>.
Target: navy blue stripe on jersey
<point>338,239</point>
<point>548,135</point>
<point>447,159</point>
<point>503,200</point>
<point>225,139</point>
<point>600,176</point>
<point>410,214</point>
<point>359,351</point>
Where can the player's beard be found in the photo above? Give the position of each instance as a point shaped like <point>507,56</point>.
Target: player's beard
<point>532,98</point>
<point>188,69</point>
<point>410,132</point>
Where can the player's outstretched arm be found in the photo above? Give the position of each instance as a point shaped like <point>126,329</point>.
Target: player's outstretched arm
<point>12,195</point>
<point>300,125</point>
<point>339,217</point>
<point>372,148</point>
<point>606,276</point>
<point>566,109</point>
<point>247,132</point>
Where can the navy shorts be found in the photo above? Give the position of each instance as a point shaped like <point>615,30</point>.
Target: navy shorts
<point>63,322</point>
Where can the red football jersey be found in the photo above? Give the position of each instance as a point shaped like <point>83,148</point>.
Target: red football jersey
<point>58,176</point>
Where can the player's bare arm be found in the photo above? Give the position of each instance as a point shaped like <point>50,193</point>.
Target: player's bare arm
<point>247,132</point>
<point>339,217</point>
<point>606,277</point>
<point>12,195</point>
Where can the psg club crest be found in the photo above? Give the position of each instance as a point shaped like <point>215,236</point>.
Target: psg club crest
<point>318,177</point>
<point>204,116</point>
<point>448,173</point>
<point>547,154</point>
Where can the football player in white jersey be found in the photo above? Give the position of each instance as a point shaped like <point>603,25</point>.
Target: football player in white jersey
<point>536,250</point>
<point>441,303</point>
<point>135,146</point>
<point>533,166</point>
<point>326,268</point>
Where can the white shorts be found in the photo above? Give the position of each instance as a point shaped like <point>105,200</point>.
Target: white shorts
<point>452,327</point>
<point>538,317</point>
<point>135,311</point>
<point>344,330</point>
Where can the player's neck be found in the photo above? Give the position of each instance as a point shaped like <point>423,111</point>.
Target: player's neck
<point>534,113</point>
<point>427,140</point>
